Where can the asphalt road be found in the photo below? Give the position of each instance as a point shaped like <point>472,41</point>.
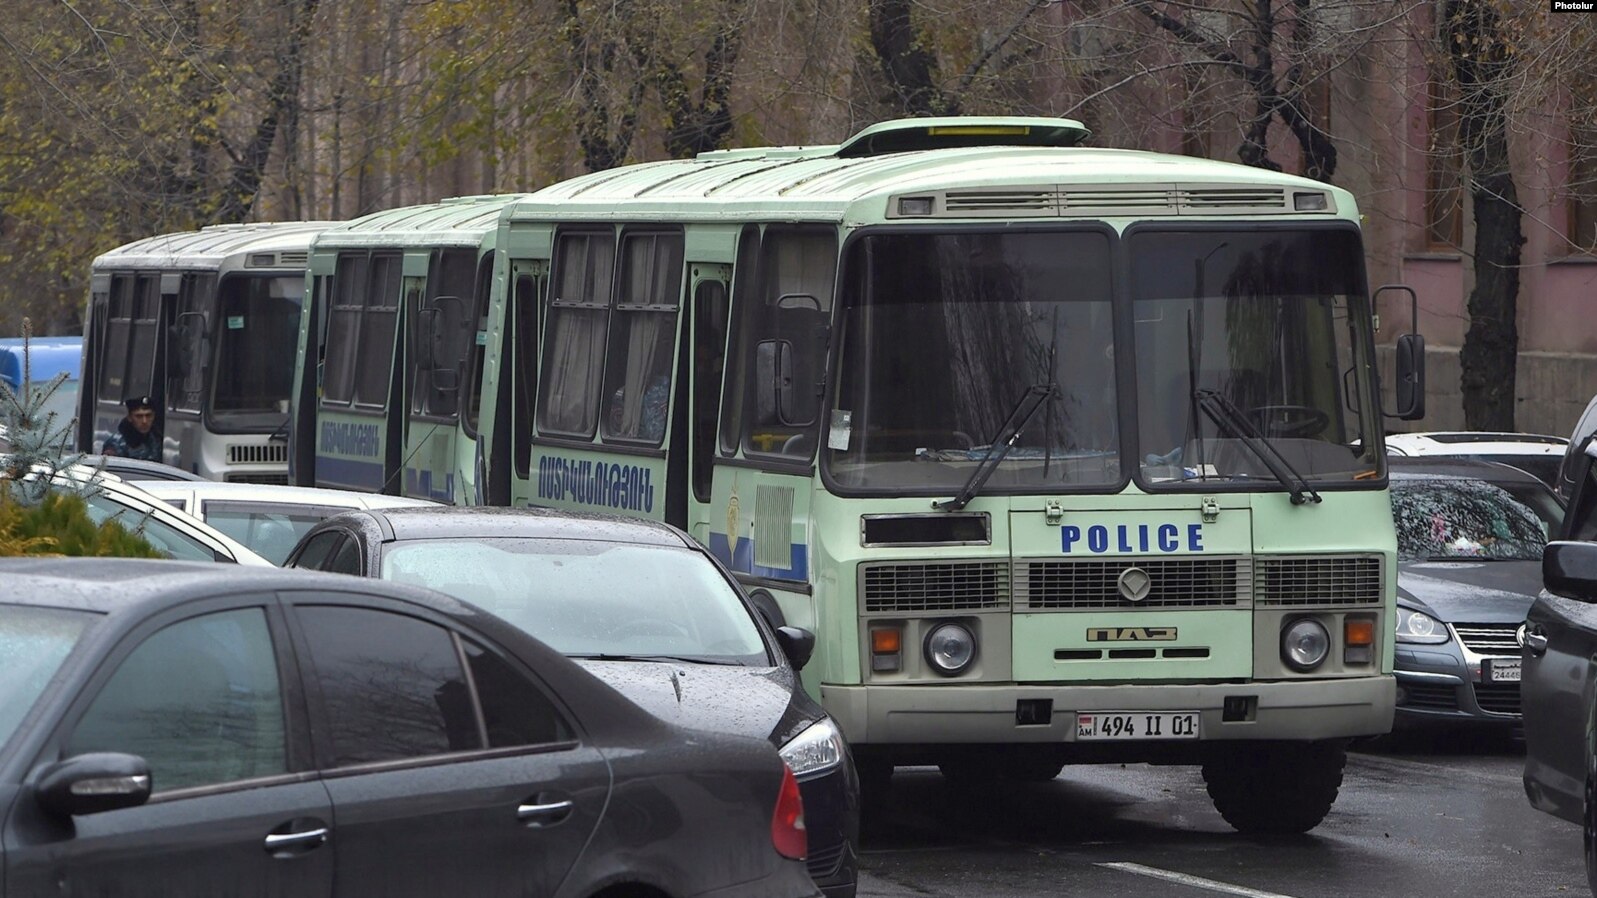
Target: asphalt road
<point>1429,816</point>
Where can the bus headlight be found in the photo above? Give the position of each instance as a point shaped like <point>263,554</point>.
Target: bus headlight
<point>950,649</point>
<point>816,750</point>
<point>1305,644</point>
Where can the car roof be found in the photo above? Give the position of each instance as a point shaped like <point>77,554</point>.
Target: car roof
<point>110,585</point>
<point>267,492</point>
<point>1475,443</point>
<point>1434,467</point>
<point>124,468</point>
<point>444,522</point>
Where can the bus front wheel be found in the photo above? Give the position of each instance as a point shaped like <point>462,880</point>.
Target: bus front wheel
<point>1275,788</point>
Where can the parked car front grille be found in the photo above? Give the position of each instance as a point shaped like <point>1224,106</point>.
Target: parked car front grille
<point>1429,696</point>
<point>1489,639</point>
<point>1498,698</point>
<point>1174,583</point>
<point>1318,580</point>
<point>948,586</point>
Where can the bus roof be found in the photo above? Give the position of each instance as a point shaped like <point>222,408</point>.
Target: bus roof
<point>457,221</point>
<point>210,248</point>
<point>995,178</point>
<point>47,356</point>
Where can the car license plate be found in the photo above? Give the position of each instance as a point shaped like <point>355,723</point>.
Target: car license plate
<point>1114,726</point>
<point>1502,670</point>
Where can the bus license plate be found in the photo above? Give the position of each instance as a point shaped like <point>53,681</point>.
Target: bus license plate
<point>1502,670</point>
<point>1107,726</point>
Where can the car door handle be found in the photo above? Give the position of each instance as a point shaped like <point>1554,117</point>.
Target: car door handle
<point>534,814</point>
<point>1535,640</point>
<point>310,838</point>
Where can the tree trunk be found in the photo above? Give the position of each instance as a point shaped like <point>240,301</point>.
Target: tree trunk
<point>1481,59</point>
<point>910,68</point>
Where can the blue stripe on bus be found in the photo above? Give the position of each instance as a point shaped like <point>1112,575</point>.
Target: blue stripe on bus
<point>741,559</point>
<point>419,481</point>
<point>355,475</point>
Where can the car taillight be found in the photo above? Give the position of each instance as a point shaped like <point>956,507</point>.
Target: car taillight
<point>787,824</point>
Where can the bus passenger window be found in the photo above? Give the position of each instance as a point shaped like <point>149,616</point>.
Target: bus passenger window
<point>642,338</point>
<point>709,361</point>
<point>579,315</point>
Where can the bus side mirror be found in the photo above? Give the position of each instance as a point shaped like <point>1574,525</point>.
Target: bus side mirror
<point>1580,515</point>
<point>1411,377</point>
<point>776,399</point>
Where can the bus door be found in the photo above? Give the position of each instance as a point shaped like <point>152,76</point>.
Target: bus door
<point>129,352</point>
<point>513,382</point>
<point>188,352</point>
<point>709,288</point>
<point>357,443</point>
<point>309,369</point>
<point>443,321</point>
<point>94,338</point>
<point>759,519</point>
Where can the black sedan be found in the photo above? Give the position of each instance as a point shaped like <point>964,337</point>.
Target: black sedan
<point>640,605</point>
<point>1560,685</point>
<point>1469,549</point>
<point>173,729</point>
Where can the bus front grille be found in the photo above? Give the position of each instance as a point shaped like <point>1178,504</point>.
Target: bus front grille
<point>907,588</point>
<point>1319,580</point>
<point>1225,582</point>
<point>247,454</point>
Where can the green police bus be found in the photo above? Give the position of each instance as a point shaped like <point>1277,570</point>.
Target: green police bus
<point>390,352</point>
<point>1065,454</point>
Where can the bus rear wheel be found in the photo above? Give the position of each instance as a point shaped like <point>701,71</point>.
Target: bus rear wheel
<point>1275,788</point>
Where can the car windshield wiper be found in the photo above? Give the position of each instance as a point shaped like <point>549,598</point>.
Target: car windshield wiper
<point>1019,417</point>
<point>685,659</point>
<point>1225,413</point>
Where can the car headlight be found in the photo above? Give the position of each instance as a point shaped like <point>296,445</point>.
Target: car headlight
<point>1417,626</point>
<point>950,648</point>
<point>1305,644</point>
<point>816,750</point>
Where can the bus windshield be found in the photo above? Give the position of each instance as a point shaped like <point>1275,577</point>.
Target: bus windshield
<point>1252,336</point>
<point>943,334</point>
<point>258,319</point>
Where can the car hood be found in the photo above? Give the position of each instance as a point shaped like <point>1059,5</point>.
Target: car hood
<point>1471,591</point>
<point>747,701</point>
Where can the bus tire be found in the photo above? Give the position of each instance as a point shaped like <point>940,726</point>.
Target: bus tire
<point>1275,788</point>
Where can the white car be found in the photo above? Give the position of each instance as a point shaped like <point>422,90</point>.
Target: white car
<point>268,518</point>
<point>1537,454</point>
<point>167,529</point>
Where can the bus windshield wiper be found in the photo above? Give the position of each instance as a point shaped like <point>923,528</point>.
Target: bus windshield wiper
<point>1014,425</point>
<point>1225,413</point>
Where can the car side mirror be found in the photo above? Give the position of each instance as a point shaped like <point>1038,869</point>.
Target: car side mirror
<point>1569,569</point>
<point>92,783</point>
<point>798,644</point>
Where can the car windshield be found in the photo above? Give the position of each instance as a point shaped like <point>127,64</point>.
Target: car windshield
<point>33,643</point>
<point>592,598</point>
<point>1439,518</point>
<point>163,536</point>
<point>269,529</point>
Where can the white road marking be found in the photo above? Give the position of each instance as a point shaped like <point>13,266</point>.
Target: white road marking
<point>1197,882</point>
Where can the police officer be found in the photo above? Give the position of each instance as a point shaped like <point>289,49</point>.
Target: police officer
<point>136,436</point>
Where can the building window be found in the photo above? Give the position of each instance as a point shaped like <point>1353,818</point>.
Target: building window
<point>1582,187</point>
<point>1444,171</point>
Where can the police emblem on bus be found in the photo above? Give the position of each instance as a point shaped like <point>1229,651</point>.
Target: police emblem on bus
<point>1135,584</point>
<point>1131,634</point>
